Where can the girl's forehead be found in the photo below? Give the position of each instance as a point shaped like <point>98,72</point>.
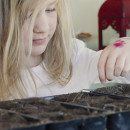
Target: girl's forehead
<point>41,3</point>
<point>49,2</point>
<point>45,2</point>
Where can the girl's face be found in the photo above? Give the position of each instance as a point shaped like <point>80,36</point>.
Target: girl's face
<point>44,28</point>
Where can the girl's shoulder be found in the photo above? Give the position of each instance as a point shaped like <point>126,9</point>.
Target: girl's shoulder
<point>78,45</point>
<point>81,52</point>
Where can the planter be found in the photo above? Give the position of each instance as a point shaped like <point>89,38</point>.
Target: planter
<point>51,115</point>
<point>103,108</point>
<point>115,100</point>
<point>12,120</point>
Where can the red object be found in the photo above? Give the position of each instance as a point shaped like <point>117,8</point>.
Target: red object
<point>118,45</point>
<point>115,13</point>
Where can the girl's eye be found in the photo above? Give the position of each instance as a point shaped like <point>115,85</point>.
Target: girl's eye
<point>50,10</point>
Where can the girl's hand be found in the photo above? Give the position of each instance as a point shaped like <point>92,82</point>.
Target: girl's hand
<point>115,60</point>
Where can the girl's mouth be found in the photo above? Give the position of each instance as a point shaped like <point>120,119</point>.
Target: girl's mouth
<point>39,41</point>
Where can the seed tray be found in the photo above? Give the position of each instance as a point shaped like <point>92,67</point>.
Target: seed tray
<point>115,99</point>
<point>52,115</point>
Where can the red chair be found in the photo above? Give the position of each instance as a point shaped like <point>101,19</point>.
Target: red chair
<point>115,13</point>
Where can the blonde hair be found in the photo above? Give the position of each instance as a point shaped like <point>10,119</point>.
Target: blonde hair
<point>12,56</point>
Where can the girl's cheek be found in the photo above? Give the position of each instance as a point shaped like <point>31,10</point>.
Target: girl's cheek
<point>54,23</point>
<point>25,33</point>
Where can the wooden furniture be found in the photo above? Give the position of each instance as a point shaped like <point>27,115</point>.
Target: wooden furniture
<point>115,13</point>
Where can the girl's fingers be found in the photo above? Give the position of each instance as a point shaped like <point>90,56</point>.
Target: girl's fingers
<point>126,68</point>
<point>114,60</point>
<point>101,67</point>
<point>120,62</point>
<point>110,66</point>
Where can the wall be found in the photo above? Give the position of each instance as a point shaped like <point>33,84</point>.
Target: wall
<point>85,19</point>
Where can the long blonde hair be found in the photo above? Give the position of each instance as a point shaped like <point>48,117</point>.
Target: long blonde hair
<point>57,56</point>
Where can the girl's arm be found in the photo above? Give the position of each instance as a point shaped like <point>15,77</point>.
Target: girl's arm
<point>115,60</point>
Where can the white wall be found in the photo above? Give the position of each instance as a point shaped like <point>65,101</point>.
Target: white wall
<point>85,18</point>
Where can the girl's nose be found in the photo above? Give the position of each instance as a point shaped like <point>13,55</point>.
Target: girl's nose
<point>41,23</point>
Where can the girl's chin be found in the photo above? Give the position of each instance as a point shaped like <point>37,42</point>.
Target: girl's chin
<point>38,52</point>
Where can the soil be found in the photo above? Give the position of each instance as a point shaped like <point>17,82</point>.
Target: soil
<point>12,120</point>
<point>121,90</point>
<point>35,111</point>
<point>105,102</point>
<point>40,110</point>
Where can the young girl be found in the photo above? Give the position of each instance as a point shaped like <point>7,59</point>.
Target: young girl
<point>38,56</point>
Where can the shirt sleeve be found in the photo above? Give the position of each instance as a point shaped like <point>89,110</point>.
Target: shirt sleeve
<point>86,61</point>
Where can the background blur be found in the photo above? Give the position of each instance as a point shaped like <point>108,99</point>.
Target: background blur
<point>85,19</point>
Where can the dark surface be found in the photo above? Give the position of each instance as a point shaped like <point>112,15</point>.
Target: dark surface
<point>114,98</point>
<point>77,111</point>
<point>36,111</point>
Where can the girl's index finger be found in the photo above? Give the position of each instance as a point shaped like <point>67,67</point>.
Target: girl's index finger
<point>102,66</point>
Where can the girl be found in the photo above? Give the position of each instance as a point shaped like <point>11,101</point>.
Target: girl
<point>38,56</point>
